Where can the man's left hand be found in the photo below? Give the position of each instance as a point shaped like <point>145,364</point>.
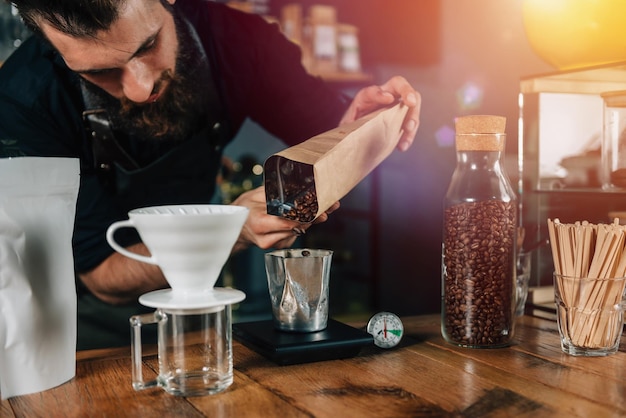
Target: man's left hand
<point>395,89</point>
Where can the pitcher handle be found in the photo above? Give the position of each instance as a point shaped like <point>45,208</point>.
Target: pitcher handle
<point>136,322</point>
<point>111,240</point>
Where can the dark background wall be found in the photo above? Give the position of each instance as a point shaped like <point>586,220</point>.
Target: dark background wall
<point>387,29</point>
<point>465,57</point>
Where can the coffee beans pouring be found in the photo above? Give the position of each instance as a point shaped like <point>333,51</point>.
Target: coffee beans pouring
<point>304,181</point>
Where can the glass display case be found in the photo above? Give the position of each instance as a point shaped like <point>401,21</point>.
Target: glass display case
<point>560,136</point>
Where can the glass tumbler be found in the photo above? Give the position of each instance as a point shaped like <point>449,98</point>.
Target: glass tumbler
<point>298,281</point>
<point>590,314</point>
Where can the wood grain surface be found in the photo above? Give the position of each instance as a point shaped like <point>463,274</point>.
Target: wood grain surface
<point>424,376</point>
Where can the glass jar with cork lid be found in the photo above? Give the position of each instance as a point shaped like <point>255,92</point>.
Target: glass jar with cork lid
<point>479,239</point>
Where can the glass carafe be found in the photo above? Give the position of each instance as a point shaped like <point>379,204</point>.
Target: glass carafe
<point>479,239</point>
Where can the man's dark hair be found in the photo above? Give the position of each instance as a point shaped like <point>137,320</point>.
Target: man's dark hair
<point>77,18</point>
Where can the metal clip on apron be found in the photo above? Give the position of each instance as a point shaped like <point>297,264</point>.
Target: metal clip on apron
<point>106,150</point>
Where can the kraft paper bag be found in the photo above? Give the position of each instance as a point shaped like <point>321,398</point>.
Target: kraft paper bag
<point>37,290</point>
<point>303,181</point>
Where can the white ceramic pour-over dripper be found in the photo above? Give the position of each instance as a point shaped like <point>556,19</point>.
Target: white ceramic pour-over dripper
<point>190,243</point>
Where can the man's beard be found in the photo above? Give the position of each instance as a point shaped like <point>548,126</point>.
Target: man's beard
<point>182,106</point>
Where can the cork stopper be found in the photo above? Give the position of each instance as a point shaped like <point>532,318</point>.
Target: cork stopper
<point>480,133</point>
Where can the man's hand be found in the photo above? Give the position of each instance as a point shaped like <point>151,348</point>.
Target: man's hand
<point>372,98</point>
<point>269,231</point>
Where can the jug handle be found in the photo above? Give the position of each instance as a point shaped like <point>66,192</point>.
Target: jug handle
<point>136,322</point>
<point>111,240</point>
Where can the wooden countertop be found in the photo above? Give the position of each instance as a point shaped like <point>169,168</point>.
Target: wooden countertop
<point>425,376</point>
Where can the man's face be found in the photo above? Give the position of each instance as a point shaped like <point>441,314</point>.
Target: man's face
<point>151,63</point>
<point>129,60</point>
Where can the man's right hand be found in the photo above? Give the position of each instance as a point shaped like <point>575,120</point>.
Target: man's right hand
<point>269,231</point>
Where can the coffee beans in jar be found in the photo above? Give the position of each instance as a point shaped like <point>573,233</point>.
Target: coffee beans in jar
<point>478,278</point>
<point>479,239</point>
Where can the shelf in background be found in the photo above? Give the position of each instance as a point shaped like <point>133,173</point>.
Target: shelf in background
<point>540,302</point>
<point>588,80</point>
<point>344,77</point>
<point>581,190</point>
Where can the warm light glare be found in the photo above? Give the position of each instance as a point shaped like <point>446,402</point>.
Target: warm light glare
<point>257,169</point>
<point>576,33</point>
<point>520,145</point>
<point>445,136</point>
<point>469,96</point>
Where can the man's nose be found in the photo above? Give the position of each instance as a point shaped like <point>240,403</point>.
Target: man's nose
<point>137,82</point>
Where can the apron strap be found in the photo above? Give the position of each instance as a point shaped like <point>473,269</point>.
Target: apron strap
<point>106,150</point>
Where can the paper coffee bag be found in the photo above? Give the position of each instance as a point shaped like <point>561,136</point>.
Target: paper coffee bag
<point>303,181</point>
<point>37,291</point>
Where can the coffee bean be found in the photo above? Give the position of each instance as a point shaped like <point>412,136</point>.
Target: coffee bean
<point>478,273</point>
<point>290,190</point>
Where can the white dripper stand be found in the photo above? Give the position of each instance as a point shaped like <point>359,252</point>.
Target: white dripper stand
<point>191,244</point>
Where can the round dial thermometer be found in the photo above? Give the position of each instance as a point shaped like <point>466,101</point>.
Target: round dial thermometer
<point>386,328</point>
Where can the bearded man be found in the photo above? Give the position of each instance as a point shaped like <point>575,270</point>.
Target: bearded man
<point>146,93</point>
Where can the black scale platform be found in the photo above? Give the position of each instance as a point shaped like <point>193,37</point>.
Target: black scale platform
<point>337,341</point>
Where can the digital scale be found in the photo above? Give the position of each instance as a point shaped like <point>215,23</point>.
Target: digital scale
<point>336,341</point>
